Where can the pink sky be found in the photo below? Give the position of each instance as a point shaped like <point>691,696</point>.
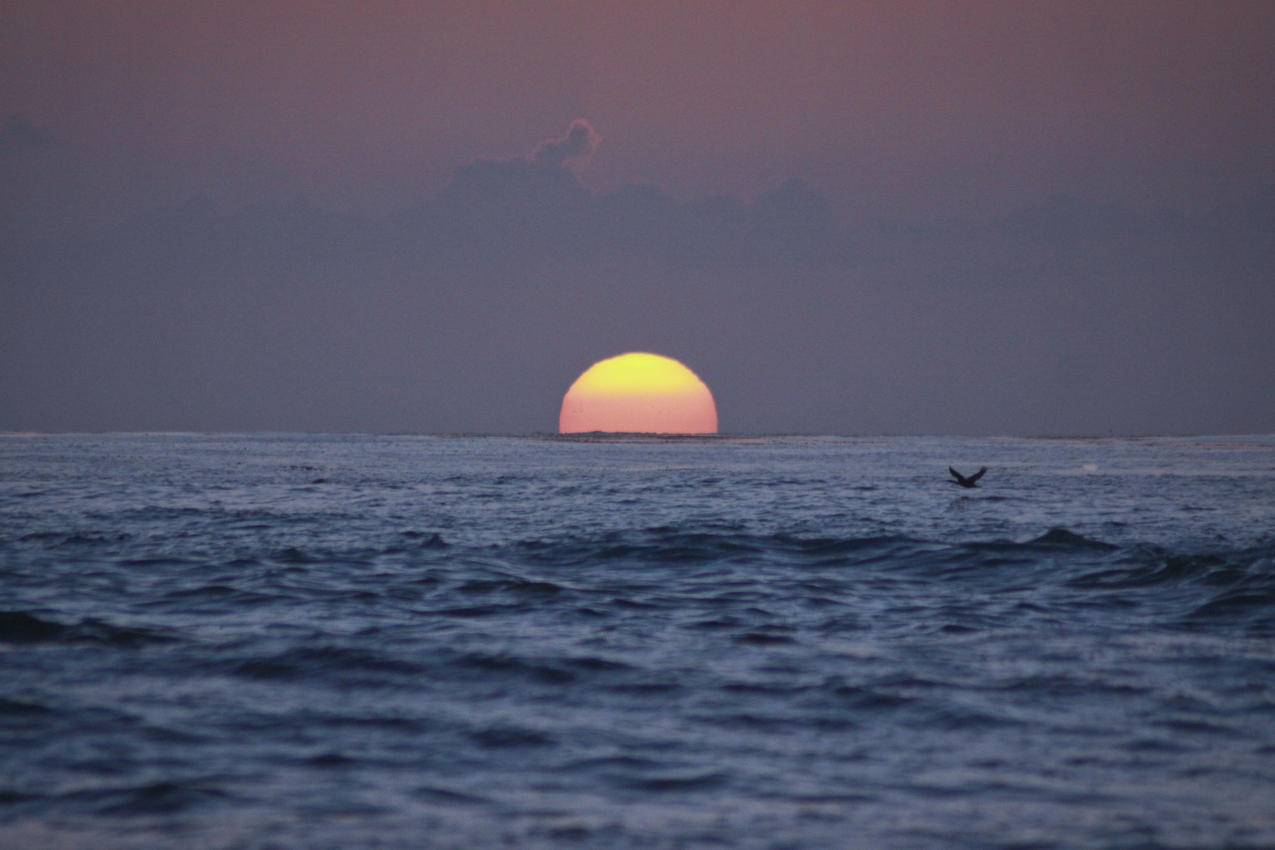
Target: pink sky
<point>902,108</point>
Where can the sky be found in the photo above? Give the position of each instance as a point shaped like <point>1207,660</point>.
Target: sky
<point>852,218</point>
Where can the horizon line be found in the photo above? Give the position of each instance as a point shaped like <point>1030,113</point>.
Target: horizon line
<point>623,435</point>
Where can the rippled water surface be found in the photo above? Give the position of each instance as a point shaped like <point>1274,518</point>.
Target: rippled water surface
<point>342,642</point>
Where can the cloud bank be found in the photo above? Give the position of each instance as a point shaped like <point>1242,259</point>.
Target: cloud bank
<point>473,309</point>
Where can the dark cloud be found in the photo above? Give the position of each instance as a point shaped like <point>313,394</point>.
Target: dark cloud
<point>538,206</point>
<point>574,149</point>
<point>473,309</point>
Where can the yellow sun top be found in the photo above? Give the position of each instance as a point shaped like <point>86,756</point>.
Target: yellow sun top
<point>638,393</point>
<point>637,372</point>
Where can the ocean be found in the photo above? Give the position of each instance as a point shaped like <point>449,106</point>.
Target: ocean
<point>326,641</point>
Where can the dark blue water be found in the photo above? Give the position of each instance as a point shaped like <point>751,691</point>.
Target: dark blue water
<point>342,642</point>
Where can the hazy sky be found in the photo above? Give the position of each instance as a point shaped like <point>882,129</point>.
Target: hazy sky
<point>1022,217</point>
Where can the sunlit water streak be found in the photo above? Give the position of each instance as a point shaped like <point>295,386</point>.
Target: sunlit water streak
<point>312,641</point>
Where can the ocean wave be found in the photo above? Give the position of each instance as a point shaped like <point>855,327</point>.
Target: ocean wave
<point>1066,538</point>
<point>167,797</point>
<point>505,737</point>
<point>512,584</point>
<point>21,627</point>
<point>669,544</point>
<point>1187,588</point>
<point>303,662</point>
<point>75,539</point>
<point>673,545</point>
<point>19,708</point>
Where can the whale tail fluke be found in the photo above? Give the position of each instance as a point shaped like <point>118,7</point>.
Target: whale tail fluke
<point>967,480</point>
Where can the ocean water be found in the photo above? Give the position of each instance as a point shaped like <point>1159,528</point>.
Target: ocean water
<point>223,641</point>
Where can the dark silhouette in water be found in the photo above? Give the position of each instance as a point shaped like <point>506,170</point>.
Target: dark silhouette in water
<point>971,481</point>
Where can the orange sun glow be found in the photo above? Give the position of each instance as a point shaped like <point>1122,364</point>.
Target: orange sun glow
<point>638,393</point>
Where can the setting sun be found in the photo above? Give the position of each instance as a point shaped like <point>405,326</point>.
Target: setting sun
<point>638,393</point>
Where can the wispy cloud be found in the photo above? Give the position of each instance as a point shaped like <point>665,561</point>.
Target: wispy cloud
<point>574,149</point>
